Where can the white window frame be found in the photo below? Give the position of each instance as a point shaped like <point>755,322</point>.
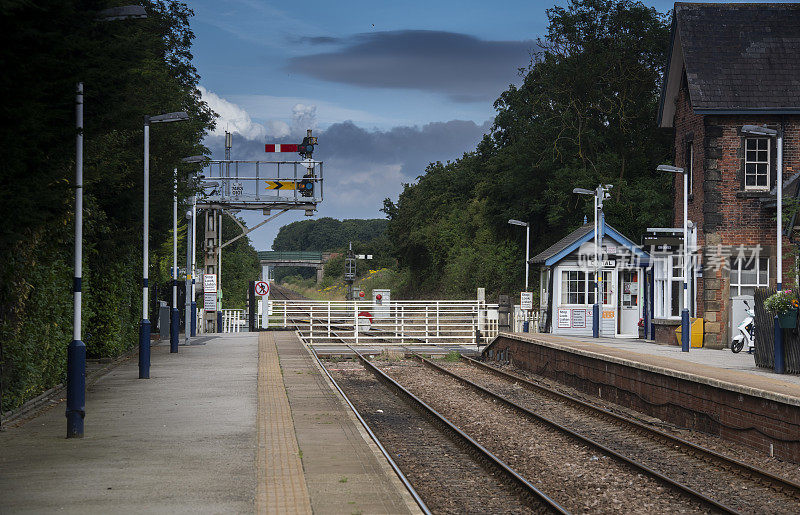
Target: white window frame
<point>753,162</point>
<point>736,276</point>
<point>690,166</point>
<point>663,278</point>
<point>588,286</point>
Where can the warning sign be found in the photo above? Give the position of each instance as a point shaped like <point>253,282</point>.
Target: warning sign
<point>210,283</point>
<point>262,288</point>
<point>210,301</point>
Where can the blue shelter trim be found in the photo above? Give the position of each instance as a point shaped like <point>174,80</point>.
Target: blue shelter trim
<point>578,237</point>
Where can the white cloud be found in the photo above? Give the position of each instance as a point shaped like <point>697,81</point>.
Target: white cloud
<point>232,118</point>
<point>303,117</point>
<point>327,113</point>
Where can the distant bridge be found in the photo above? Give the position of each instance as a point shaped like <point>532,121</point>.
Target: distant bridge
<point>301,258</point>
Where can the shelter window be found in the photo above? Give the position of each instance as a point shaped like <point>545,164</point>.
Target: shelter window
<point>756,164</point>
<point>573,287</point>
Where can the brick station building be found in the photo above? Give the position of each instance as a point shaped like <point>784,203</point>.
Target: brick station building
<point>729,65</point>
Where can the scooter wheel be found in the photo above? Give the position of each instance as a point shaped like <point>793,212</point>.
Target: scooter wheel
<point>736,346</point>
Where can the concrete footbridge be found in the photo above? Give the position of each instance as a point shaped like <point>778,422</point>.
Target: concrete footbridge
<point>300,258</point>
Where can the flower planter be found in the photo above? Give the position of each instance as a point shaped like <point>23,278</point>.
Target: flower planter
<point>788,319</point>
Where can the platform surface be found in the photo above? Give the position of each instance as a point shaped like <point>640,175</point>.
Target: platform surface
<point>239,423</point>
<point>712,366</point>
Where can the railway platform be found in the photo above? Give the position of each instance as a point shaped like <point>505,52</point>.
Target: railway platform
<point>714,391</point>
<point>235,423</point>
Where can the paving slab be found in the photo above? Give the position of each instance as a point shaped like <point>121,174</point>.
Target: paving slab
<point>183,441</point>
<point>343,470</point>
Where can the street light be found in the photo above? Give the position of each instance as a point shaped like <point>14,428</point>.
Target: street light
<point>527,245</point>
<point>756,130</point>
<point>189,244</point>
<point>76,350</point>
<point>600,194</point>
<point>144,328</point>
<point>685,312</point>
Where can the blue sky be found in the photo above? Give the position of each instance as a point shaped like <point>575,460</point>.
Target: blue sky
<point>387,86</point>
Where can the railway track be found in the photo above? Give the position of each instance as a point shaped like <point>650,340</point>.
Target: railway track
<point>720,482</point>
<point>707,480</point>
<point>449,469</point>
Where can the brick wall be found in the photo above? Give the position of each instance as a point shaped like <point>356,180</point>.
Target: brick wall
<point>727,215</point>
<point>745,419</point>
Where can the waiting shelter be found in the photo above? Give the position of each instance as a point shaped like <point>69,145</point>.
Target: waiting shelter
<point>567,291</point>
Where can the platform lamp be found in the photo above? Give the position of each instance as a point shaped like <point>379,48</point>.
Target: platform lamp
<point>174,315</point>
<point>756,130</point>
<point>144,327</point>
<point>685,312</point>
<point>600,194</point>
<point>76,350</point>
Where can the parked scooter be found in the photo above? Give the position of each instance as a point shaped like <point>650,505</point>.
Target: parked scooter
<point>747,333</point>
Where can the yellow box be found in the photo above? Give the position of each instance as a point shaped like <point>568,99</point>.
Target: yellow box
<point>695,333</point>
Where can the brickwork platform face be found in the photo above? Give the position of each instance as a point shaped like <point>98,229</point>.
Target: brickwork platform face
<point>735,405</point>
<point>342,471</point>
<point>182,441</point>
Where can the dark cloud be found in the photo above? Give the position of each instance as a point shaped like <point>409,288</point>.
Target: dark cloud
<point>463,67</point>
<point>316,40</point>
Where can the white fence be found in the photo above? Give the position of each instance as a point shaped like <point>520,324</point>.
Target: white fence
<point>233,320</point>
<point>532,317</point>
<point>399,322</point>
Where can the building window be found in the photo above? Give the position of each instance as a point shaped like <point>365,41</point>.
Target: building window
<point>690,165</point>
<point>748,274</point>
<point>605,284</point>
<point>668,291</point>
<point>573,287</point>
<point>756,164</point>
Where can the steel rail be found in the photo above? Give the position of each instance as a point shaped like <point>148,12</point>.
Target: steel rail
<point>767,478</point>
<point>374,437</point>
<point>526,487</point>
<point>597,445</point>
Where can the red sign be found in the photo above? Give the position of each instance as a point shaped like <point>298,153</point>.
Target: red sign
<point>280,147</point>
<point>262,288</point>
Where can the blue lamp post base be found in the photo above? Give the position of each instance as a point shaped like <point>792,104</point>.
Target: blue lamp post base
<point>193,319</point>
<point>685,337</point>
<point>174,329</point>
<point>76,388</point>
<point>780,367</point>
<point>595,321</point>
<point>144,349</point>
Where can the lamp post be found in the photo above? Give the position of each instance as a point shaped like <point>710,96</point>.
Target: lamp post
<point>600,194</point>
<point>527,245</point>
<point>76,351</point>
<point>685,312</point>
<point>144,327</point>
<point>174,321</point>
<point>756,130</point>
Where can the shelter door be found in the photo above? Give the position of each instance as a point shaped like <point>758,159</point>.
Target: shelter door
<point>628,302</point>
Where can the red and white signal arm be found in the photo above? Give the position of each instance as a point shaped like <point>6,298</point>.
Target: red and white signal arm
<point>364,321</point>
<point>262,288</point>
<point>280,147</point>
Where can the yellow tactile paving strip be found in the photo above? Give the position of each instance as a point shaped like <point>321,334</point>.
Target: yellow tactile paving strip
<point>281,483</point>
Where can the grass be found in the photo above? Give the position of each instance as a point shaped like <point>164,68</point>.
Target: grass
<point>452,356</point>
<point>343,480</point>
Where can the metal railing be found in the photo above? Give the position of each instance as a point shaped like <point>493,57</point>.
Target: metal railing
<point>233,320</point>
<point>396,323</point>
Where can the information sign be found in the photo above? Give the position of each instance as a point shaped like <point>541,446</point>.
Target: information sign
<point>210,283</point>
<point>579,318</point>
<point>526,300</point>
<point>210,301</point>
<point>564,318</point>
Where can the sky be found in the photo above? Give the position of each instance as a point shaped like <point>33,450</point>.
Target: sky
<point>387,87</point>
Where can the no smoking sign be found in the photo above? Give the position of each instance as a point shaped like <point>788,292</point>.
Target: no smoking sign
<point>262,288</point>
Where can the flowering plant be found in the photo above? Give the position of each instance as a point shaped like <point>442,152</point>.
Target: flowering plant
<point>782,302</point>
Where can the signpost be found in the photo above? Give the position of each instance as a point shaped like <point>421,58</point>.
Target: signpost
<point>280,185</point>
<point>526,304</point>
